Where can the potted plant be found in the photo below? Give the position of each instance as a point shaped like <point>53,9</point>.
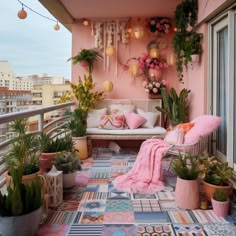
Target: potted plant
<point>20,209</point>
<point>175,106</point>
<point>86,57</point>
<point>69,163</point>
<point>49,147</point>
<point>187,41</point>
<point>215,175</point>
<point>220,203</point>
<point>187,186</point>
<point>23,151</point>
<point>85,97</point>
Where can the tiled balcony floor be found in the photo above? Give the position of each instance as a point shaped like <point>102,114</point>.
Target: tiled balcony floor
<point>95,207</point>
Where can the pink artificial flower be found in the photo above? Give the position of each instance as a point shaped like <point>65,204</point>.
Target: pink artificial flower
<point>146,90</point>
<point>158,25</point>
<point>150,85</point>
<point>164,82</point>
<point>158,85</point>
<point>155,90</point>
<point>144,84</point>
<point>153,22</point>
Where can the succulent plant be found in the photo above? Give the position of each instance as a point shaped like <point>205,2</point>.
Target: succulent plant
<point>220,195</point>
<point>21,198</point>
<point>68,162</point>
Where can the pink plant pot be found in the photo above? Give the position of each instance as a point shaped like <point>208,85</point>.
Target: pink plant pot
<point>221,209</point>
<point>187,193</point>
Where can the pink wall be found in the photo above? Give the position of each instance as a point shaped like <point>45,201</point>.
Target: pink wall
<point>196,79</point>
<point>124,85</point>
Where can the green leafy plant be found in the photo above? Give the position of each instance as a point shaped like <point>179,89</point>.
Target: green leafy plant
<point>175,106</point>
<point>186,166</point>
<point>87,55</point>
<point>220,195</point>
<point>48,145</point>
<point>214,171</point>
<point>23,150</point>
<point>187,41</point>
<point>77,125</point>
<point>68,162</point>
<point>21,198</point>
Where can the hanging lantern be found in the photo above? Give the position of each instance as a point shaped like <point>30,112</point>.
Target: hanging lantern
<point>110,51</point>
<point>55,187</point>
<point>22,14</point>
<point>138,31</point>
<point>134,69</point>
<point>154,53</point>
<point>56,26</point>
<point>171,59</point>
<point>107,86</point>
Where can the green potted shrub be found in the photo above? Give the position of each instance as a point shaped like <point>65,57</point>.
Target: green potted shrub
<point>175,106</point>
<point>187,186</point>
<point>49,147</point>
<point>215,175</point>
<point>86,57</point>
<point>220,203</point>
<point>20,209</point>
<point>69,163</point>
<point>23,151</point>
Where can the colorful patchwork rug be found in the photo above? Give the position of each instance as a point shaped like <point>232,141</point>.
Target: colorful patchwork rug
<point>94,207</point>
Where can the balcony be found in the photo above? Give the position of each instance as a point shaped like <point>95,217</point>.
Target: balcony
<point>95,207</point>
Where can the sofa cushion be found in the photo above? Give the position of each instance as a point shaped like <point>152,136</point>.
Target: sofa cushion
<point>133,120</point>
<point>111,122</point>
<point>185,126</point>
<point>94,116</point>
<point>175,136</point>
<point>151,118</point>
<point>120,109</point>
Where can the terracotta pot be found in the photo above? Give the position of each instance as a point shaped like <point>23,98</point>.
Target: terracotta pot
<point>46,161</point>
<point>187,193</point>
<point>220,209</point>
<point>69,180</point>
<point>80,143</point>
<point>209,189</point>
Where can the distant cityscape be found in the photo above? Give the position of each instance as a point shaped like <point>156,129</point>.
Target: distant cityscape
<point>18,93</point>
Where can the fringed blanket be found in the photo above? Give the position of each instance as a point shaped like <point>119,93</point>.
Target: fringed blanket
<point>146,175</point>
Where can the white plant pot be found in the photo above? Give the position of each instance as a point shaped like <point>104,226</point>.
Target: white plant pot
<point>69,180</point>
<point>25,225</point>
<point>195,58</point>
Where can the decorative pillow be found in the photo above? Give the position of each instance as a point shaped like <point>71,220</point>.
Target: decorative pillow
<point>120,109</point>
<point>175,136</point>
<point>151,118</point>
<point>94,116</point>
<point>185,126</point>
<point>204,126</point>
<point>133,120</point>
<point>111,122</point>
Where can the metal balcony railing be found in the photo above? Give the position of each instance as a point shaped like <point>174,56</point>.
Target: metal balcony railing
<point>53,127</point>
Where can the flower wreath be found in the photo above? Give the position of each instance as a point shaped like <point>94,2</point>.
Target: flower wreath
<point>159,24</point>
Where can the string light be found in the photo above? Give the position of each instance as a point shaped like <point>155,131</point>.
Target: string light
<point>85,22</point>
<point>22,14</point>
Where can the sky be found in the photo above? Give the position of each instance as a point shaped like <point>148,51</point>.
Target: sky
<point>31,45</point>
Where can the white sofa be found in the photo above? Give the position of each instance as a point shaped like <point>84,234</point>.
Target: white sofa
<point>147,105</point>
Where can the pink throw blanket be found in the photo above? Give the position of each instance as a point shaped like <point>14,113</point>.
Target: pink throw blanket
<point>146,175</point>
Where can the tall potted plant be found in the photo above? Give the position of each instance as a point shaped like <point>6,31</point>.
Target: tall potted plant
<point>85,97</point>
<point>175,105</point>
<point>23,151</point>
<point>69,163</point>
<point>20,209</point>
<point>86,57</point>
<point>187,186</point>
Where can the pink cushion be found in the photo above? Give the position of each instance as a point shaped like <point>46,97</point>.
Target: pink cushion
<point>204,126</point>
<point>134,120</point>
<point>175,136</point>
<point>111,122</point>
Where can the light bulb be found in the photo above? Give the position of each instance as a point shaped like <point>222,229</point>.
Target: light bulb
<point>22,14</point>
<point>56,26</point>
